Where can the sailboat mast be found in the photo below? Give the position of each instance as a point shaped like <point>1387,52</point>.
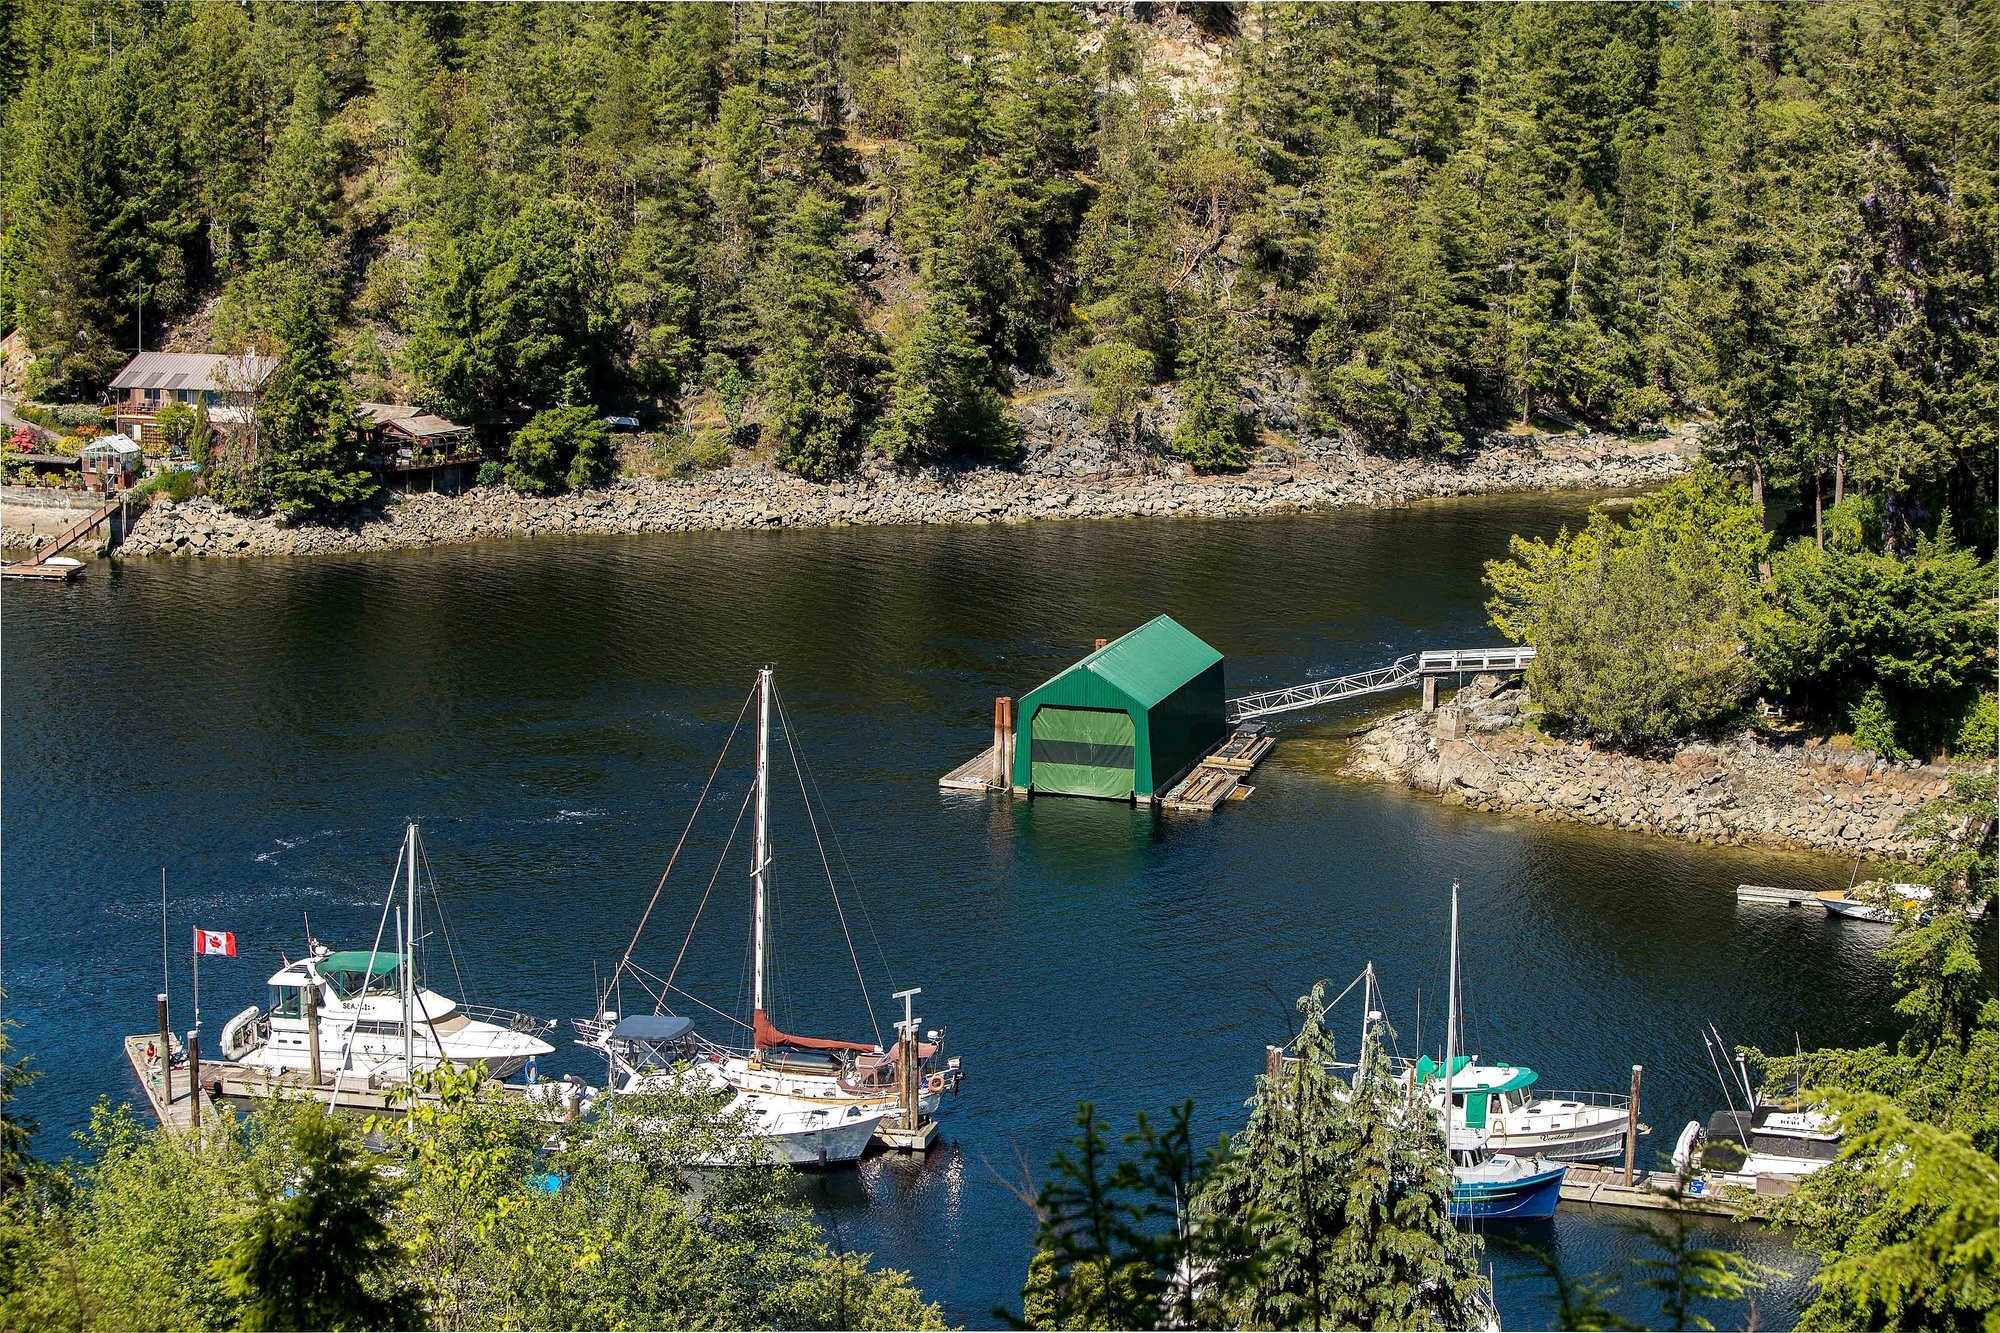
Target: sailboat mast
<point>1451,1020</point>
<point>410,953</point>
<point>761,849</point>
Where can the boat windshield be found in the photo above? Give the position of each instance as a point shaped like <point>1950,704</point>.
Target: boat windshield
<point>354,972</point>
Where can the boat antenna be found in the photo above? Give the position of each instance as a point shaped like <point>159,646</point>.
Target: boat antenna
<point>611,986</point>
<point>1742,1125</point>
<point>1451,1021</point>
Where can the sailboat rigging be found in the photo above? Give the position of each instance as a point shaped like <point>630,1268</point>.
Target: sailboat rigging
<point>807,1099</point>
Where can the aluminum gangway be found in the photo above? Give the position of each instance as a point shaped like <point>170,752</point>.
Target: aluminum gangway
<point>1403,673</point>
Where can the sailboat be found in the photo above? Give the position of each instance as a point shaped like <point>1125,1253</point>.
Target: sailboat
<point>1486,1184</point>
<point>806,1100</point>
<point>366,1014</point>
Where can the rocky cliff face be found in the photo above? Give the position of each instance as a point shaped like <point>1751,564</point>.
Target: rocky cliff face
<point>1475,753</point>
<point>1073,483</point>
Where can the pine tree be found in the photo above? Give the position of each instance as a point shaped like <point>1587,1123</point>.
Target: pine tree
<point>941,400</point>
<point>1401,1262</point>
<point>1286,1188</point>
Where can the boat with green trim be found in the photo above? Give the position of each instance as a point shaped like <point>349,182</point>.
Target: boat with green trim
<point>1498,1102</point>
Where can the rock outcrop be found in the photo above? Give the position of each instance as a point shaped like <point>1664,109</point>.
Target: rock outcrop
<point>1475,753</point>
<point>745,497</point>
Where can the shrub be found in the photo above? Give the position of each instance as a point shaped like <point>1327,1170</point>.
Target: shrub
<point>1874,726</point>
<point>1979,730</point>
<point>73,415</point>
<point>491,473</point>
<point>561,447</point>
<point>1640,405</point>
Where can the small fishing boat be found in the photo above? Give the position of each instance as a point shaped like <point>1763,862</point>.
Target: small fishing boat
<point>366,1013</point>
<point>1787,1143</point>
<point>1770,1138</point>
<point>1485,1184</point>
<point>812,1100</point>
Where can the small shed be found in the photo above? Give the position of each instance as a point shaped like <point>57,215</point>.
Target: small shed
<point>1126,722</point>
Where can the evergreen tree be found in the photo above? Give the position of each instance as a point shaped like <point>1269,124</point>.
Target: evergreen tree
<point>1212,430</point>
<point>941,400</point>
<point>310,429</point>
<point>1286,1188</point>
<point>1401,1262</point>
<point>315,1250</point>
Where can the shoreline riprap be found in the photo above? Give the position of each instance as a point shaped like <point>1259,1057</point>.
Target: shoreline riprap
<point>744,497</point>
<point>1476,753</point>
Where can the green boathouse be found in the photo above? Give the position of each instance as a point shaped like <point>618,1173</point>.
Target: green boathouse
<point>1126,722</point>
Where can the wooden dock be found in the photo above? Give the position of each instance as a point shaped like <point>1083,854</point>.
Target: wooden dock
<point>1219,777</point>
<point>224,1082</point>
<point>179,1115</point>
<point>1708,1193</point>
<point>978,773</point>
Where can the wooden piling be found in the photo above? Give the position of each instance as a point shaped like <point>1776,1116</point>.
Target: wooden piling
<point>312,1030</point>
<point>1430,694</point>
<point>1001,705</point>
<point>1632,1126</point>
<point>166,1054</point>
<point>1100,643</point>
<point>1274,1063</point>
<point>194,1077</point>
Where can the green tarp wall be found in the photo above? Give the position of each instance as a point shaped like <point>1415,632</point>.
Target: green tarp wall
<point>1131,718</point>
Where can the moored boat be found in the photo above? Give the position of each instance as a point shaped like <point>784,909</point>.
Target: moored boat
<point>807,1100</point>
<point>366,1014</point>
<point>1499,1102</point>
<point>1484,1184</point>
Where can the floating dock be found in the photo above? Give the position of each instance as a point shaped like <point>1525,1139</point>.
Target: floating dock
<point>1708,1193</point>
<point>180,1114</point>
<point>1219,777</point>
<point>223,1081</point>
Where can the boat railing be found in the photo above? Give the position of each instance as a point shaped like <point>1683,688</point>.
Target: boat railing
<point>507,1018</point>
<point>1617,1101</point>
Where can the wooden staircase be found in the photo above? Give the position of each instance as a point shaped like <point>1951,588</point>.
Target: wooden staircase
<point>37,567</point>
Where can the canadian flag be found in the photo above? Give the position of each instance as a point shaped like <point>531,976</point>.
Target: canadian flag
<point>215,941</point>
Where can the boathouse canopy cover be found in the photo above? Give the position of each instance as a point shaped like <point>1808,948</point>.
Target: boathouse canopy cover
<point>1130,719</point>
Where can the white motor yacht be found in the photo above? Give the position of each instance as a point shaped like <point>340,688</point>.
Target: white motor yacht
<point>365,1013</point>
<point>1767,1140</point>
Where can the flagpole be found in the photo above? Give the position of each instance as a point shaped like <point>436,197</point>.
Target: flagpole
<point>165,966</point>
<point>197,990</point>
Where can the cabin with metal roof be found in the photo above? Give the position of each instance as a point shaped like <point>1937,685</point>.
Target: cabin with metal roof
<point>225,385</point>
<point>1125,723</point>
<point>415,450</point>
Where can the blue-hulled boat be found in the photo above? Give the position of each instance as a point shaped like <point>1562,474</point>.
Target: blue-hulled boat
<point>1516,1188</point>
<point>1483,1184</point>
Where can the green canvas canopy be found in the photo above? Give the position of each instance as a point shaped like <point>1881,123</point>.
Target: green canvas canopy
<point>1128,720</point>
<point>356,960</point>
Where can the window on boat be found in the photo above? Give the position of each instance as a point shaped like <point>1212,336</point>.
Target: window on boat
<point>287,1002</point>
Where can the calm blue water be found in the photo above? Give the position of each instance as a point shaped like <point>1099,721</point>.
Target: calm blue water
<point>548,710</point>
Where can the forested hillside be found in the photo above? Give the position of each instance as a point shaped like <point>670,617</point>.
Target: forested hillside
<point>827,229</point>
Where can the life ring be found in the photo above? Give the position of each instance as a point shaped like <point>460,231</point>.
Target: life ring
<point>934,1083</point>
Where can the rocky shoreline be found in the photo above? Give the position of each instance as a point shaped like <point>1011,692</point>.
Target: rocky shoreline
<point>748,497</point>
<point>1475,753</point>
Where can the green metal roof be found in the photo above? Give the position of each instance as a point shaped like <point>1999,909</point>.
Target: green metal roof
<point>356,960</point>
<point>1148,664</point>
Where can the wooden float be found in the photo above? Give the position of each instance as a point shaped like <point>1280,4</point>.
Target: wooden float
<point>1708,1193</point>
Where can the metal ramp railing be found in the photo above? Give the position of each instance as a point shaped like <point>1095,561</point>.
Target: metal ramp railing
<point>1402,673</point>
